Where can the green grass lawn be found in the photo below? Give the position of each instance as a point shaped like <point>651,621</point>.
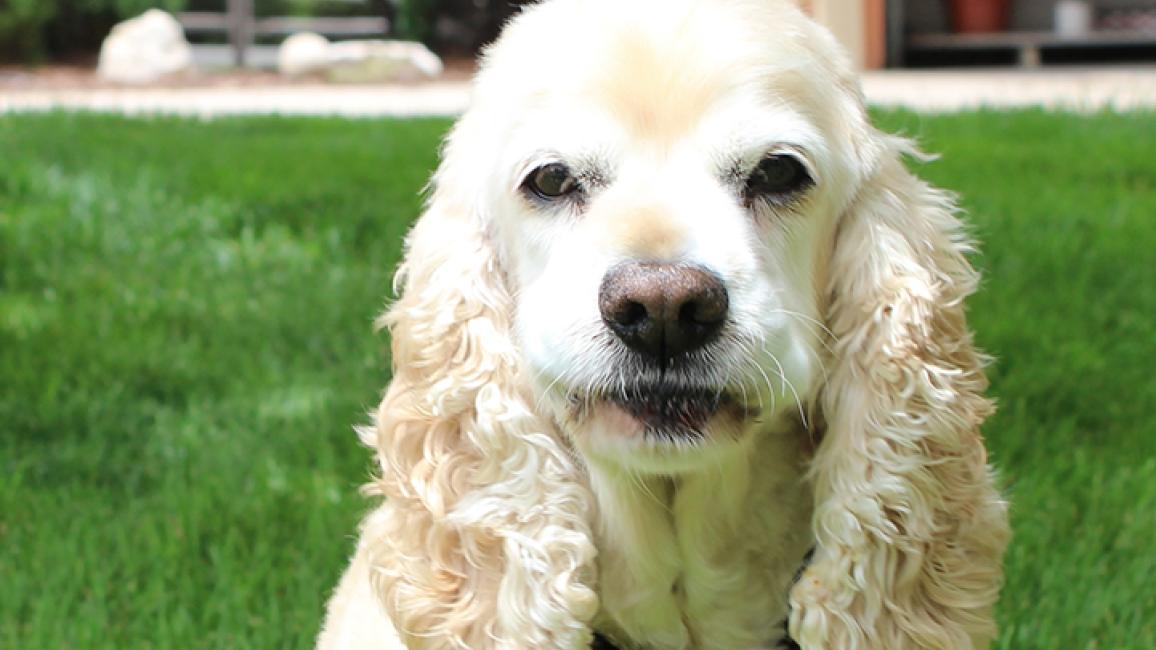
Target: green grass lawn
<point>186,340</point>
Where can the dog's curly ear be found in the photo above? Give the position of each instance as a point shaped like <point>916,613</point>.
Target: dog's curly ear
<point>910,529</point>
<point>485,541</point>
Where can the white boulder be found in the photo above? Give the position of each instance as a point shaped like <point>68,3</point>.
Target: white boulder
<point>381,61</point>
<point>303,53</point>
<point>144,49</point>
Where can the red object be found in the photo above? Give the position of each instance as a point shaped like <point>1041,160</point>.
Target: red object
<point>971,16</point>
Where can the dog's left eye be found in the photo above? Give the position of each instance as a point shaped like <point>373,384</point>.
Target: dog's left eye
<point>778,177</point>
<point>552,181</point>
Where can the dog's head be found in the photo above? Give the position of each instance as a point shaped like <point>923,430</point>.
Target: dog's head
<point>660,226</point>
<point>661,182</point>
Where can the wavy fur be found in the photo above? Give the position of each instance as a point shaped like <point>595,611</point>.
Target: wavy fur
<point>469,554</point>
<point>910,530</point>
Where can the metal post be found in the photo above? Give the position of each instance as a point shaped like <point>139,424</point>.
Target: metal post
<point>1030,56</point>
<point>240,29</point>
<point>896,34</point>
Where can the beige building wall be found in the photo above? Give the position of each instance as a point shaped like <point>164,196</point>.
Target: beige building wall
<point>845,18</point>
<point>858,24</point>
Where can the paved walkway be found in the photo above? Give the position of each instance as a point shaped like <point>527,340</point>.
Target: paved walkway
<point>1088,89</point>
<point>1080,89</point>
<point>447,98</point>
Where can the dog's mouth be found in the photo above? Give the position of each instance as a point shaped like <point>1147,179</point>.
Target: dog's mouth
<point>661,409</point>
<point>668,412</point>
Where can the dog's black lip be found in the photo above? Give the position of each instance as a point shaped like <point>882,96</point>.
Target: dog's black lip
<point>674,410</point>
<point>674,405</point>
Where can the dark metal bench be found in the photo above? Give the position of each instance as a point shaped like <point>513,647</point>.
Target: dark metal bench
<point>242,27</point>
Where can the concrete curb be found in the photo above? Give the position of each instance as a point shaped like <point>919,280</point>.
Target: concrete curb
<point>405,101</point>
<point>1080,90</point>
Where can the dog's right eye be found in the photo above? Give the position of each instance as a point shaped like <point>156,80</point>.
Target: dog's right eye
<point>777,179</point>
<point>551,182</point>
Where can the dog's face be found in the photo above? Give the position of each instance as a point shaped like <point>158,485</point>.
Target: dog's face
<point>661,182</point>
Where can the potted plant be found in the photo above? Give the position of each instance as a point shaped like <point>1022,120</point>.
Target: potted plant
<point>971,16</point>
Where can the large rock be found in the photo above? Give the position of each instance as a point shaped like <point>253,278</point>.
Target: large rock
<point>303,53</point>
<point>381,61</point>
<point>144,49</point>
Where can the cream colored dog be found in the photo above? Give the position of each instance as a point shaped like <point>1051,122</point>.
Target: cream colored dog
<point>676,318</point>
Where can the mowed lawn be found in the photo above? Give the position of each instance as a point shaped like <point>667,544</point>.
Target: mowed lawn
<point>186,341</point>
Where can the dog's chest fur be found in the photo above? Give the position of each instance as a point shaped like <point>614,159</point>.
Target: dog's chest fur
<point>703,560</point>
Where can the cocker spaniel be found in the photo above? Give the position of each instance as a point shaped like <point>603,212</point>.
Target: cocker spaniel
<point>680,359</point>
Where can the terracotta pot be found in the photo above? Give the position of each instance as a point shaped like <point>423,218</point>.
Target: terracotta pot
<point>969,16</point>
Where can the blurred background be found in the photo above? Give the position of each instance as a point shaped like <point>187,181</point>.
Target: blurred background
<point>1074,53</point>
<point>202,203</point>
<point>1028,33</point>
<point>878,33</point>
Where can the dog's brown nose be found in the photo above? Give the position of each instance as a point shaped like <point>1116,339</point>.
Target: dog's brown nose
<point>663,310</point>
